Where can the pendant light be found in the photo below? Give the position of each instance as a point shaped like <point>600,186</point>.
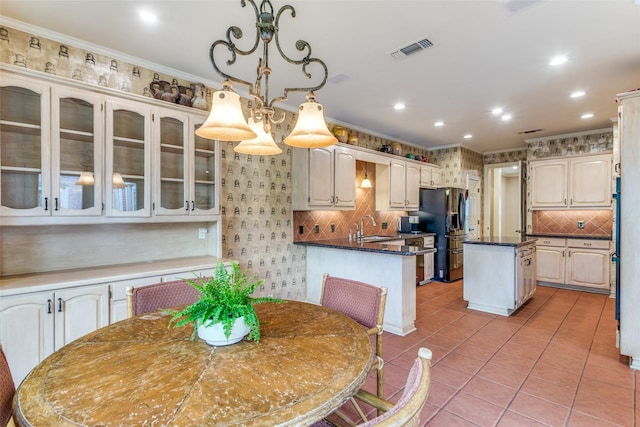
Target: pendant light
<point>365,182</point>
<point>262,144</point>
<point>86,178</point>
<point>226,120</point>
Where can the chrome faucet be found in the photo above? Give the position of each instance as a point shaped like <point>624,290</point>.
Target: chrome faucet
<point>373,223</point>
<point>354,235</point>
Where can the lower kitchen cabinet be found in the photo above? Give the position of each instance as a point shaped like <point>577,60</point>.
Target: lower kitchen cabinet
<point>34,325</point>
<point>574,262</point>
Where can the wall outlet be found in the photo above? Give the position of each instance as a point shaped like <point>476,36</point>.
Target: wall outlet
<point>316,228</point>
<point>580,224</point>
<point>333,228</point>
<point>202,233</point>
<point>301,229</point>
<point>385,225</point>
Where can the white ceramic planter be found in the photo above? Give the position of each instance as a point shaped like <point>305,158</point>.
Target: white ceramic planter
<point>214,334</point>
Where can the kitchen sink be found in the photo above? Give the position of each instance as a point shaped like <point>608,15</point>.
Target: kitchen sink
<point>376,238</point>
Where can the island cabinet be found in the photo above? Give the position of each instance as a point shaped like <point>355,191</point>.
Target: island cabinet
<point>323,178</point>
<point>499,290</point>
<point>579,182</point>
<point>34,325</point>
<point>397,186</point>
<point>70,154</point>
<point>50,151</point>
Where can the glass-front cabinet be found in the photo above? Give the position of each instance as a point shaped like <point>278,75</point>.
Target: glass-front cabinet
<point>185,166</point>
<point>128,159</point>
<point>76,152</point>
<point>50,150</point>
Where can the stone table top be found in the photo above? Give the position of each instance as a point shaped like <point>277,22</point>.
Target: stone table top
<point>139,371</point>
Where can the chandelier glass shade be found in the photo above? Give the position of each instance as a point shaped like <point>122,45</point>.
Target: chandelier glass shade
<point>226,120</point>
<point>262,144</point>
<point>86,178</point>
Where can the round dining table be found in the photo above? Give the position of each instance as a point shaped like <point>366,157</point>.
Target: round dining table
<point>141,372</point>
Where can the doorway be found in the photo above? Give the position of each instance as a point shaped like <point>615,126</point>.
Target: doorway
<point>504,208</point>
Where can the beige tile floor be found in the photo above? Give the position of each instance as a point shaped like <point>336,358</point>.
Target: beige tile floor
<point>552,363</point>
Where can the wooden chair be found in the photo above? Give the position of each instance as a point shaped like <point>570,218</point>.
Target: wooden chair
<point>365,304</point>
<point>406,412</point>
<point>147,299</point>
<point>7,391</point>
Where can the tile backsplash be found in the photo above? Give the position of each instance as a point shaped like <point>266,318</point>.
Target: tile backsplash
<point>597,223</point>
<point>343,220</point>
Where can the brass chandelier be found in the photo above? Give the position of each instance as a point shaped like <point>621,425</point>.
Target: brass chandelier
<point>226,120</point>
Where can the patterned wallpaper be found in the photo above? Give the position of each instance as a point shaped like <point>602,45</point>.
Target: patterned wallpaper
<point>505,157</point>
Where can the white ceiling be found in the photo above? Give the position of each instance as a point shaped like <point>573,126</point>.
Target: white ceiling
<point>484,55</point>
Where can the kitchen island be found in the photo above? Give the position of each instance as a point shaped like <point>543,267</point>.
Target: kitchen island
<point>500,273</point>
<point>380,264</point>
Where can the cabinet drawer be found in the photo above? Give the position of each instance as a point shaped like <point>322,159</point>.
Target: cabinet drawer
<point>120,288</point>
<point>550,241</point>
<point>429,242</point>
<point>588,244</point>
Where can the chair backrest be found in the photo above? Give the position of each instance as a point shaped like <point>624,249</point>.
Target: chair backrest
<point>151,298</point>
<point>361,301</point>
<point>407,411</point>
<point>7,390</point>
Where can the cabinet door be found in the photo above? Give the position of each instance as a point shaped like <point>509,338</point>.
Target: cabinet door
<point>590,184</point>
<point>436,177</point>
<point>170,133</point>
<point>76,152</point>
<point>25,187</point>
<point>397,185</point>
<point>205,173</point>
<point>26,331</point>
<point>321,177</point>
<point>425,176</point>
<point>412,188</point>
<point>428,267</point>
<point>345,178</point>
<point>550,264</point>
<point>128,159</point>
<point>79,311</point>
<point>549,184</point>
<point>587,267</point>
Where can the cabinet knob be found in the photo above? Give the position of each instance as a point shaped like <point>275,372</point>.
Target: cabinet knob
<point>59,305</point>
<point>46,203</point>
<point>186,205</point>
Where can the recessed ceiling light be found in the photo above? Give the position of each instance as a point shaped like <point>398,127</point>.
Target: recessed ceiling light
<point>438,124</point>
<point>467,136</point>
<point>496,111</point>
<point>399,106</point>
<point>506,117</point>
<point>577,94</point>
<point>558,60</point>
<point>148,17</point>
<point>586,116</point>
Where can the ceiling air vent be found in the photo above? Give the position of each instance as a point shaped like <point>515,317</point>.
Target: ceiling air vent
<point>409,49</point>
<point>526,132</point>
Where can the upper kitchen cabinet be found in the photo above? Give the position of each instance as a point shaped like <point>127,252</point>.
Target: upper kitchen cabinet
<point>184,165</point>
<point>128,159</point>
<point>430,176</point>
<point>324,179</point>
<point>51,151</point>
<point>579,182</point>
<point>398,186</point>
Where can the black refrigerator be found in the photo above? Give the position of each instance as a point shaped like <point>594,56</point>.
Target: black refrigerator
<point>443,211</point>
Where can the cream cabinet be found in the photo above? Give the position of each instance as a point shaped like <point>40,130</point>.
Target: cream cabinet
<point>575,262</point>
<point>397,186</point>
<point>323,179</point>
<point>76,155</point>
<point>579,182</point>
<point>34,325</point>
<point>430,176</point>
<point>550,264</point>
<point>184,166</point>
<point>51,150</point>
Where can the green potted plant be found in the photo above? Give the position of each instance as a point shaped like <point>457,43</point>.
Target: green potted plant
<point>224,314</point>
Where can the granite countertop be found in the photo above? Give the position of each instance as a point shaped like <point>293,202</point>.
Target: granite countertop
<point>571,236</point>
<point>378,246</point>
<point>501,241</point>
